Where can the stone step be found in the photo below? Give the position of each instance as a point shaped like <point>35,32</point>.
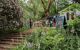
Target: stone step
<point>10,43</point>
<point>18,35</point>
<point>1,48</point>
<point>6,46</point>
<point>15,38</point>
<point>11,40</point>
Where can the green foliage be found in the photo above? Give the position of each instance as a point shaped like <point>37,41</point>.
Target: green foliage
<point>32,9</point>
<point>52,39</point>
<point>35,10</point>
<point>42,39</point>
<point>71,23</point>
<point>72,7</point>
<point>75,24</point>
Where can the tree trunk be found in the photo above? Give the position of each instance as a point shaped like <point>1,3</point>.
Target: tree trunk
<point>47,8</point>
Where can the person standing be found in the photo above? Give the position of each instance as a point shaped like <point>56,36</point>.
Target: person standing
<point>65,23</point>
<point>67,14</point>
<point>47,23</point>
<point>54,22</point>
<point>31,23</point>
<point>51,23</point>
<point>72,16</point>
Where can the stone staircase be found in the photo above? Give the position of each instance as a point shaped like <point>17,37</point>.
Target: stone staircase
<point>11,41</point>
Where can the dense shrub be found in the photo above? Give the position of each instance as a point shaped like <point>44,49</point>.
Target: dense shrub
<point>74,25</point>
<point>10,15</point>
<point>52,39</point>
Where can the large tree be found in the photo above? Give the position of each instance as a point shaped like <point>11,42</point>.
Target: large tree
<point>38,9</point>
